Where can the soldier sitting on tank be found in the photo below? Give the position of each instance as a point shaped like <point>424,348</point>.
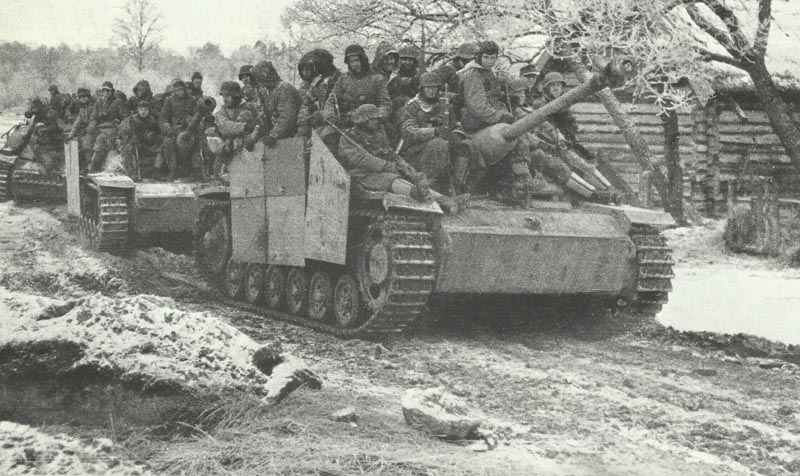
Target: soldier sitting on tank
<point>142,92</point>
<point>554,138</point>
<point>58,101</point>
<point>319,76</point>
<point>483,107</point>
<point>530,76</point>
<point>104,120</point>
<point>365,152</point>
<point>140,142</point>
<point>432,142</point>
<point>278,102</point>
<point>448,73</point>
<point>175,118</point>
<point>196,85</point>
<point>236,120</point>
<point>356,87</point>
<point>46,143</point>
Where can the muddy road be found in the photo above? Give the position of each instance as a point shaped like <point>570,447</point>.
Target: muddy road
<point>565,395</point>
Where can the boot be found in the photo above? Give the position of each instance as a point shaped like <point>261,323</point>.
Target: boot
<point>453,205</point>
<point>579,186</point>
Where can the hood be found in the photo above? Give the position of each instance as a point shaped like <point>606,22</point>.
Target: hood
<point>144,87</point>
<point>384,49</point>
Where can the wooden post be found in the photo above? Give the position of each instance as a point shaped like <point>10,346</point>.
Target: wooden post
<point>72,167</point>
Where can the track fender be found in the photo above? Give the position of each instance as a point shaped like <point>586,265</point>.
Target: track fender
<point>111,181</point>
<point>629,215</point>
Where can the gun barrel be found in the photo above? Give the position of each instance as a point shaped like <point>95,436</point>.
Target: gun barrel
<point>613,74</point>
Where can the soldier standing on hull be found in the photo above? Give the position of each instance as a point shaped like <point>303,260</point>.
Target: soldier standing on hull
<point>104,119</point>
<point>356,87</point>
<point>553,138</point>
<point>430,143</point>
<point>278,104</point>
<point>386,63</point>
<point>366,154</point>
<point>79,111</point>
<point>483,107</point>
<point>140,142</point>
<point>177,113</point>
<point>236,120</point>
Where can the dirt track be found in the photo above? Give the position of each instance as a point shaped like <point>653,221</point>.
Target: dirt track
<point>580,398</point>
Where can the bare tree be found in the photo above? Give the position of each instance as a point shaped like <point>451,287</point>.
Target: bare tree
<point>137,30</point>
<point>721,22</point>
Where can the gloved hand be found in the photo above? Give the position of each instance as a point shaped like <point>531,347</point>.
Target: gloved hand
<point>270,141</point>
<point>442,131</point>
<point>507,117</point>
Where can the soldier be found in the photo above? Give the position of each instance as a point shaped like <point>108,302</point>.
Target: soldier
<point>79,112</point>
<point>278,104</point>
<point>554,140</point>
<point>157,104</point>
<point>482,108</point>
<point>58,101</point>
<point>408,71</point>
<point>530,76</point>
<point>386,63</point>
<point>319,76</point>
<point>37,111</point>
<point>142,92</point>
<point>430,138</point>
<point>365,153</point>
<point>236,120</point>
<point>248,89</point>
<point>140,142</point>
<point>196,85</point>
<point>122,99</point>
<point>448,73</point>
<point>356,87</point>
<point>104,119</point>
<point>177,114</point>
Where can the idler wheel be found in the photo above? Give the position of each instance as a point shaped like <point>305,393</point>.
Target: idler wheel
<point>320,295</point>
<point>274,286</point>
<point>254,283</point>
<point>234,279</point>
<point>373,265</point>
<point>214,243</point>
<point>346,301</point>
<point>296,291</point>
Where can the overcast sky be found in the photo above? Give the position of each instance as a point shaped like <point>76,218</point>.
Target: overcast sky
<point>229,23</point>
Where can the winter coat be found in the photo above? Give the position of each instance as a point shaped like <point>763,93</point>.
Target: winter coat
<point>106,114</point>
<point>176,114</point>
<point>59,103</point>
<point>281,104</point>
<point>81,121</point>
<point>313,96</point>
<point>419,118</point>
<point>231,121</point>
<point>139,130</point>
<point>352,91</point>
<point>392,78</point>
<point>481,91</point>
<point>563,122</point>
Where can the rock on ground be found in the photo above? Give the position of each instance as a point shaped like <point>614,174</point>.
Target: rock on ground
<point>438,413</point>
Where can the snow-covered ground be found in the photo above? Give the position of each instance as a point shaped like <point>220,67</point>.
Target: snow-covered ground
<point>720,292</point>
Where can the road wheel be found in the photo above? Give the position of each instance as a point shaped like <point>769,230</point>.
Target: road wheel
<point>296,291</point>
<point>320,295</point>
<point>234,279</point>
<point>274,286</point>
<point>346,301</point>
<point>254,283</point>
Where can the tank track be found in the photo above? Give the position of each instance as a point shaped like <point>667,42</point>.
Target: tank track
<point>5,181</point>
<point>654,279</point>
<point>412,277</point>
<point>107,229</point>
<point>34,186</point>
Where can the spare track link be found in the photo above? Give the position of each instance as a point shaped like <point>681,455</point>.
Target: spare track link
<point>110,230</point>
<point>654,280</point>
<point>413,278</point>
<point>37,187</point>
<point>5,181</point>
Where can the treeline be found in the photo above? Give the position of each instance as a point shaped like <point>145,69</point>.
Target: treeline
<point>26,72</point>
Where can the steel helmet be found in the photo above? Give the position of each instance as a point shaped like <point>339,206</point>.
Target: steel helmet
<point>365,112</point>
<point>244,70</point>
<point>552,77</point>
<point>230,88</point>
<point>466,51</point>
<point>429,80</point>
